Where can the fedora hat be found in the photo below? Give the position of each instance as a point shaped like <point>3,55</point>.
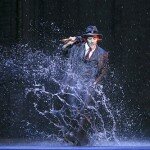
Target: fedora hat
<point>92,31</point>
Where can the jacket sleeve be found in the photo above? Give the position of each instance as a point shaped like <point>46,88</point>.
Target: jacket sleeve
<point>79,39</point>
<point>103,67</point>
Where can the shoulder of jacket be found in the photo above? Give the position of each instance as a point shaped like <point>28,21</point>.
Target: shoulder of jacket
<point>103,54</point>
<point>101,50</point>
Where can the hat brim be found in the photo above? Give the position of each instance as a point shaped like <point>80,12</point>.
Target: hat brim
<point>93,34</point>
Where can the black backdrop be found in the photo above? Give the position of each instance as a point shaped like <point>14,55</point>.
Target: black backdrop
<point>123,23</point>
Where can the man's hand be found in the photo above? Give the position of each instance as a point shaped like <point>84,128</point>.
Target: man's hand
<point>68,41</point>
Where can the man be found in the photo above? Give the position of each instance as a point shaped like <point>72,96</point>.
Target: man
<point>87,60</point>
<point>87,67</point>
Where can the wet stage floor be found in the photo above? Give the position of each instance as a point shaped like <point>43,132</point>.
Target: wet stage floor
<point>76,148</point>
<point>45,145</point>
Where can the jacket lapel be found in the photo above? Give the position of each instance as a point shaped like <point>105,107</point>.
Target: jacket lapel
<point>95,54</point>
<point>82,53</point>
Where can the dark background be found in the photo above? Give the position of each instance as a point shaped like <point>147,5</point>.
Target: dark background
<point>123,23</point>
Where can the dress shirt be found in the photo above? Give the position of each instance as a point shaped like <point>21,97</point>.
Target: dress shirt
<point>87,49</point>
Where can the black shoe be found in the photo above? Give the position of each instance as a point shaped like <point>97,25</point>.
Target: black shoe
<point>70,137</point>
<point>82,137</point>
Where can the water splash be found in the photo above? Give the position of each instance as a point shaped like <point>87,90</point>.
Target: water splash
<point>53,108</point>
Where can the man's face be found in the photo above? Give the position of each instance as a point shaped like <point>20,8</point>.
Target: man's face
<point>92,41</point>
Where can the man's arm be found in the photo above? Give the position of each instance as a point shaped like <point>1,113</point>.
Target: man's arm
<point>103,66</point>
<point>71,40</point>
<point>69,44</point>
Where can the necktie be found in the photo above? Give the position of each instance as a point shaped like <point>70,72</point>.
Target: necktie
<point>87,56</point>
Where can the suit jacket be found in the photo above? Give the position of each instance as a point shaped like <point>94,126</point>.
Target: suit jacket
<point>93,69</point>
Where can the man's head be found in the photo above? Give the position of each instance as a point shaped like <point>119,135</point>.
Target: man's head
<point>92,41</point>
<point>92,36</point>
